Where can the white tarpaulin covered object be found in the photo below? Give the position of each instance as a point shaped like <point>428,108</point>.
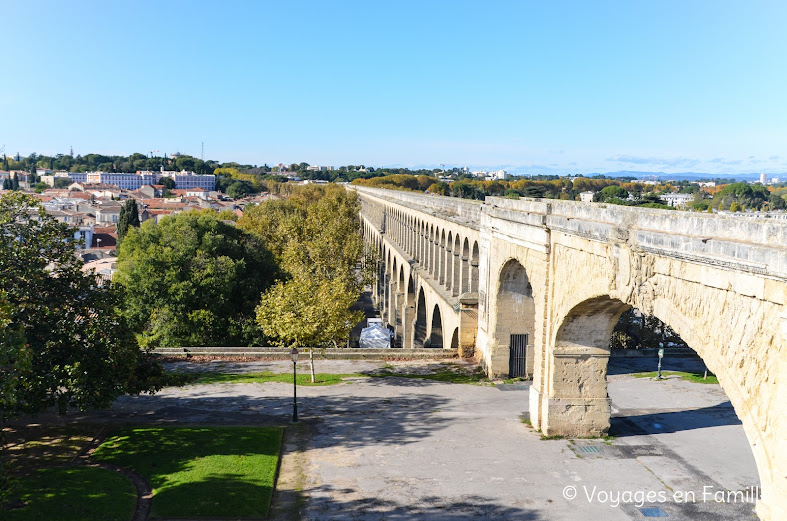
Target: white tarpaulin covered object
<point>375,337</point>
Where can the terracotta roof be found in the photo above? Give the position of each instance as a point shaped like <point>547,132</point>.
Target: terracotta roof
<point>163,203</point>
<point>112,230</point>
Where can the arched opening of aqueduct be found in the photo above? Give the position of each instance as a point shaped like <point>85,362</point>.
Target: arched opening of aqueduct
<point>579,403</point>
<point>513,324</point>
<point>419,330</point>
<point>436,334</point>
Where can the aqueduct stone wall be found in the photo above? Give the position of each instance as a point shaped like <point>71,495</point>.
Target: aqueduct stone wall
<point>562,272</point>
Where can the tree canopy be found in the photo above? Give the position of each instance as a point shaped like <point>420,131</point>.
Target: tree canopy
<point>314,235</point>
<point>193,279</point>
<point>64,341</point>
<point>741,195</point>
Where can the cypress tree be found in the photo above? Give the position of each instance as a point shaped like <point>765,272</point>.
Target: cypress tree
<point>129,216</point>
<point>15,183</point>
<point>133,213</point>
<point>122,226</point>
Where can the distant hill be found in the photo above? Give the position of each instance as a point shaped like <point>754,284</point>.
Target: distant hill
<point>686,175</point>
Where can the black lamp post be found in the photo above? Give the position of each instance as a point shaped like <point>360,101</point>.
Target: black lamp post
<point>294,355</point>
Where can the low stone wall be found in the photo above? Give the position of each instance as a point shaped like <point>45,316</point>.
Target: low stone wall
<point>670,352</point>
<point>320,354</point>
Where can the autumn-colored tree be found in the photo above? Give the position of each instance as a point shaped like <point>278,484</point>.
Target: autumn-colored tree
<point>314,235</point>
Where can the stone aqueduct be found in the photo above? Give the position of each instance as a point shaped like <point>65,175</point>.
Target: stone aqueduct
<point>469,274</point>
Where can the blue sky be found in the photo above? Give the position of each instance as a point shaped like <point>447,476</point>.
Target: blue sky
<point>568,87</point>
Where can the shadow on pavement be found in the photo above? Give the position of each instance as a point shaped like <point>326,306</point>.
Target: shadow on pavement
<point>673,421</point>
<point>328,502</point>
<point>346,420</point>
<point>624,365</point>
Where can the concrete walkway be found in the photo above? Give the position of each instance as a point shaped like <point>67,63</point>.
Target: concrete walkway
<point>399,448</point>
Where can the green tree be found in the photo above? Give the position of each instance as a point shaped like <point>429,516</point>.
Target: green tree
<point>534,191</point>
<point>15,363</point>
<point>82,353</point>
<point>168,182</point>
<point>128,217</point>
<point>751,196</point>
<point>15,182</point>
<point>315,236</point>
<point>776,203</point>
<point>62,182</point>
<point>439,188</point>
<point>193,279</point>
<point>186,163</point>
<point>613,192</point>
<point>308,311</point>
<point>237,190</point>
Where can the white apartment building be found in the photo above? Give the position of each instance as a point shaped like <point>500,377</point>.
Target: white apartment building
<point>678,200</point>
<point>125,181</point>
<point>133,181</point>
<point>188,180</point>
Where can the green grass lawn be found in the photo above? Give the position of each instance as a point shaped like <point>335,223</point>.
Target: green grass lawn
<point>689,377</point>
<point>440,374</point>
<point>449,375</point>
<point>201,471</point>
<point>73,494</point>
<point>267,376</point>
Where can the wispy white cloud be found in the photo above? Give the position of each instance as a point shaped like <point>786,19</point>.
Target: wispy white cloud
<point>659,162</point>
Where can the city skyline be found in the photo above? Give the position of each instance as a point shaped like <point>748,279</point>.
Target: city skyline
<point>567,89</point>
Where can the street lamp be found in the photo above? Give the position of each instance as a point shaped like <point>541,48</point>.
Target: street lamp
<point>294,355</point>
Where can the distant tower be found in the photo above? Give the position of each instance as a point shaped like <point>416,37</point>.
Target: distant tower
<point>72,150</point>
<point>763,179</point>
<point>202,155</point>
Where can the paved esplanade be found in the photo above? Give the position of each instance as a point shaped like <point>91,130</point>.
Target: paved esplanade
<point>406,449</point>
<point>467,274</point>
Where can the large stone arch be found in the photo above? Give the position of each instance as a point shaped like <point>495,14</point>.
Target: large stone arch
<point>515,314</point>
<point>386,284</point>
<point>449,261</point>
<point>465,280</point>
<point>436,329</point>
<point>474,263</point>
<point>419,325</point>
<point>579,405</point>
<point>456,285</point>
<point>400,305</point>
<point>392,302</point>
<point>441,263</point>
<point>430,263</point>
<point>408,313</point>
